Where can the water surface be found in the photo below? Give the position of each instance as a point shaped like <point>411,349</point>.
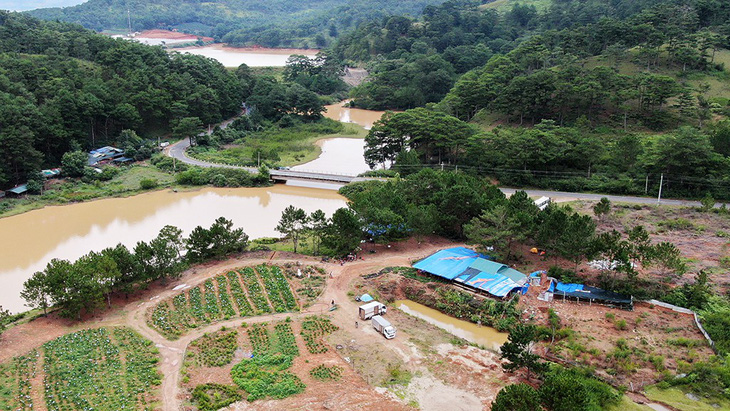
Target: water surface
<point>485,336</point>
<point>339,156</point>
<point>29,241</point>
<point>253,57</point>
<point>365,118</point>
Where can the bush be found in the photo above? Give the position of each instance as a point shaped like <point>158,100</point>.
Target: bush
<point>147,183</point>
<point>517,397</point>
<point>211,396</point>
<point>564,275</point>
<point>575,389</point>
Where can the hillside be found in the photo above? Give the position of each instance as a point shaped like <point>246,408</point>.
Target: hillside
<point>306,23</point>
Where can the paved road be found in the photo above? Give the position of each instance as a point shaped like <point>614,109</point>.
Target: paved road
<point>614,198</point>
<point>177,151</point>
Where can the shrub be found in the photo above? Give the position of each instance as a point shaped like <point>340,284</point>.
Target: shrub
<point>147,183</point>
<point>575,389</point>
<point>325,373</point>
<point>517,397</point>
<point>211,396</point>
<point>621,324</point>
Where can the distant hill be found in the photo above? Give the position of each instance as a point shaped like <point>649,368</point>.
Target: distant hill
<point>273,23</point>
<point>24,5</point>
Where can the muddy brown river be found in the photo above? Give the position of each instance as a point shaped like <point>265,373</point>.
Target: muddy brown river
<point>30,240</point>
<point>365,118</point>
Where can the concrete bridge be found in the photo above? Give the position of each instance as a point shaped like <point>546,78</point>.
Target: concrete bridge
<point>322,177</point>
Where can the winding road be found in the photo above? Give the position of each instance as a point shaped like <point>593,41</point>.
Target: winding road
<point>177,151</point>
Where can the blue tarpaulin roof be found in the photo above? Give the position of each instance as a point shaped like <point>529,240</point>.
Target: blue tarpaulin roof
<point>585,292</point>
<point>472,269</point>
<point>366,298</point>
<point>448,263</point>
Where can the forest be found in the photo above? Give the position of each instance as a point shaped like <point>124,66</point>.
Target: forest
<point>277,23</point>
<point>67,89</point>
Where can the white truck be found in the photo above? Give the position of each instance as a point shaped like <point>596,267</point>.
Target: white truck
<point>367,311</point>
<point>384,327</point>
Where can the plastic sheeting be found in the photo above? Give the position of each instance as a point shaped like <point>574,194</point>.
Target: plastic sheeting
<point>448,263</point>
<point>472,269</point>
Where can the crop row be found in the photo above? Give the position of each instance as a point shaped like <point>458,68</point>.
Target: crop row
<point>273,288</point>
<point>255,291</point>
<point>15,384</point>
<point>224,296</point>
<point>283,286</point>
<point>244,307</point>
<point>226,306</point>
<point>285,340</point>
<point>314,329</point>
<point>89,370</point>
<point>211,301</point>
<point>258,334</point>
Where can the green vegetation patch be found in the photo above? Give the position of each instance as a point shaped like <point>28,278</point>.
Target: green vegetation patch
<point>216,349</point>
<point>100,369</point>
<point>278,146</point>
<point>15,377</point>
<point>265,376</point>
<point>326,373</point>
<point>224,297</point>
<point>314,329</point>
<point>211,396</point>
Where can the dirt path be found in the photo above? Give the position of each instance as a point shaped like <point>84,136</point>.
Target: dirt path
<point>23,338</point>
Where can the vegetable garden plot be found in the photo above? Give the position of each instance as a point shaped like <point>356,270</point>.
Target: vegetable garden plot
<point>325,373</point>
<point>239,296</point>
<point>314,329</point>
<point>15,384</point>
<point>227,309</point>
<point>215,349</point>
<point>223,297</point>
<point>99,369</point>
<point>255,291</point>
<point>265,374</point>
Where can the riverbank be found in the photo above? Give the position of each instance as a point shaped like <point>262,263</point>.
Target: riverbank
<point>286,147</point>
<point>70,191</point>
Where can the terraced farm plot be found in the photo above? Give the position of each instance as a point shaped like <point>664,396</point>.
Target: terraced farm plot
<point>215,349</point>
<point>314,329</point>
<point>15,384</point>
<point>97,369</point>
<point>223,297</point>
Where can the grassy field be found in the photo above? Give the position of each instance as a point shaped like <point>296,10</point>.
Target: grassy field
<point>677,399</point>
<point>280,147</point>
<point>126,183</point>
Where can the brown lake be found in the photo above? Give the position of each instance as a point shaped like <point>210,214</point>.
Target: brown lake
<point>29,241</point>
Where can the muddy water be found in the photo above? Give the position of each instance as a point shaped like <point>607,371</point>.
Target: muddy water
<point>486,336</point>
<point>29,241</point>
<point>365,118</point>
<point>339,156</point>
<point>253,57</point>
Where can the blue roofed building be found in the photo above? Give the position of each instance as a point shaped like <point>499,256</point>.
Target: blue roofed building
<point>473,270</point>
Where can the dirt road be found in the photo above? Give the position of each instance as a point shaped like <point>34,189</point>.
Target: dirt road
<point>23,338</point>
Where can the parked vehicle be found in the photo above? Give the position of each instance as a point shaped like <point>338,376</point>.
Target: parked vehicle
<point>384,327</point>
<point>367,311</point>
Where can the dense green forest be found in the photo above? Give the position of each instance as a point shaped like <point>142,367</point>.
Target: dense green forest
<point>67,89</point>
<point>273,23</point>
<point>540,64</point>
<point>593,90</point>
